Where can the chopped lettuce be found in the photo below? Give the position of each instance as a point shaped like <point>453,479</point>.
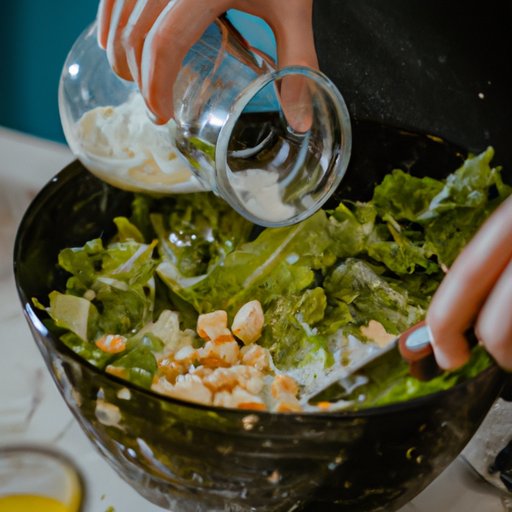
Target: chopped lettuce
<point>126,230</point>
<point>370,296</point>
<point>75,314</point>
<point>198,233</point>
<point>139,363</point>
<point>279,260</point>
<point>447,213</point>
<point>332,273</point>
<point>111,290</point>
<point>405,197</point>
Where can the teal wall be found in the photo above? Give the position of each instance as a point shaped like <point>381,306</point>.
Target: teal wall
<point>35,37</point>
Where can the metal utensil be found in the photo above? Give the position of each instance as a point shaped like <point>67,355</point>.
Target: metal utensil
<point>412,350</point>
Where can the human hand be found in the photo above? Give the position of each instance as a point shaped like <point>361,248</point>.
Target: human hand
<point>477,291</point>
<point>147,40</point>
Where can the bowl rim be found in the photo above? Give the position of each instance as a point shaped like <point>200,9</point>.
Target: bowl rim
<point>73,171</point>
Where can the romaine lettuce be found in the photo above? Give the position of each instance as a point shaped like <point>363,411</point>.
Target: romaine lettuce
<point>334,272</point>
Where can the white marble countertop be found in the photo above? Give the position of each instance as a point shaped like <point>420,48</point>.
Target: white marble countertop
<point>31,408</point>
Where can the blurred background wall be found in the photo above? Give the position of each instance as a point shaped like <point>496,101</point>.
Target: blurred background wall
<point>439,66</point>
<point>35,36</point>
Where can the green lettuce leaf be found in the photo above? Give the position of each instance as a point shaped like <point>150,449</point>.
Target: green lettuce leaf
<point>117,281</point>
<point>405,197</point>
<point>199,232</point>
<point>369,296</point>
<point>467,187</point>
<point>469,196</point>
<point>75,314</point>
<point>350,226</point>
<point>446,214</point>
<point>280,261</point>
<point>126,231</point>
<point>139,362</point>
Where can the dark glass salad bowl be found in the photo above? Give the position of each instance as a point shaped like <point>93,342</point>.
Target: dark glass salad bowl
<point>188,457</point>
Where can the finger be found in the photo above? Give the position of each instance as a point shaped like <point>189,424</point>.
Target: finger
<point>179,26</point>
<point>494,325</point>
<point>292,24</point>
<point>115,49</point>
<point>293,28</point>
<point>142,18</point>
<point>104,14</point>
<point>462,293</point>
<point>451,349</point>
<point>296,46</point>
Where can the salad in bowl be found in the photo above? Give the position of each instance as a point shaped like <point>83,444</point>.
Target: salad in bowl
<point>187,341</point>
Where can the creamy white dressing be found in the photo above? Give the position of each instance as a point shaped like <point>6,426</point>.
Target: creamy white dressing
<point>260,192</point>
<point>313,376</point>
<point>124,147</point>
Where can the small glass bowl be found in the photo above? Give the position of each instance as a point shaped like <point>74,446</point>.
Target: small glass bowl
<point>40,478</point>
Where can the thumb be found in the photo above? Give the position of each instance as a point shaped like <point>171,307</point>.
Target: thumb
<point>296,47</point>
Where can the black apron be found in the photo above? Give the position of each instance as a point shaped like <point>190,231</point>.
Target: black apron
<point>438,66</point>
